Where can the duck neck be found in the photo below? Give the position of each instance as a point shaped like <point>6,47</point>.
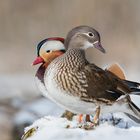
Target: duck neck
<point>75,58</point>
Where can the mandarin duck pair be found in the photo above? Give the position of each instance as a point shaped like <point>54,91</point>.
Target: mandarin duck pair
<point>67,78</point>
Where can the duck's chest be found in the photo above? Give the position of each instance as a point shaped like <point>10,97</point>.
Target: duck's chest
<point>65,80</point>
<point>65,98</point>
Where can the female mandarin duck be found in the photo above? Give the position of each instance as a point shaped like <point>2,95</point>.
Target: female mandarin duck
<point>65,76</point>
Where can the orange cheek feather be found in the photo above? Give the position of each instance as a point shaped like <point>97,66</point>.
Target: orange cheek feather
<point>49,57</point>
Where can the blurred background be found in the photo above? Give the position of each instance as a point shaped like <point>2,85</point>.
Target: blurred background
<point>23,23</point>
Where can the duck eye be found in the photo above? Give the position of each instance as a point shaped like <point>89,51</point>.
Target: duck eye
<point>48,51</point>
<point>91,34</point>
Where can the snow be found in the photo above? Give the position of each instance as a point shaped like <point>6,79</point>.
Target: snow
<point>55,128</point>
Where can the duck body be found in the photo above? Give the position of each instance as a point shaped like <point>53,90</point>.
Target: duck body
<point>67,84</point>
<point>81,87</point>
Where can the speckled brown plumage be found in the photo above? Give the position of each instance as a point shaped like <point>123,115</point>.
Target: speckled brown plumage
<point>82,87</point>
<point>87,80</point>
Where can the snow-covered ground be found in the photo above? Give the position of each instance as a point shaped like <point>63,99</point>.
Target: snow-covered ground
<point>54,128</point>
<point>112,126</point>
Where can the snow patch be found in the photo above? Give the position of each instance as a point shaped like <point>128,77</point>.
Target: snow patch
<point>54,128</point>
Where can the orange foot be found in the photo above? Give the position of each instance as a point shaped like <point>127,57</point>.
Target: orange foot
<point>80,119</point>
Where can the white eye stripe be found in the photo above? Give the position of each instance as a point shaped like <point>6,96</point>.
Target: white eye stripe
<point>52,45</point>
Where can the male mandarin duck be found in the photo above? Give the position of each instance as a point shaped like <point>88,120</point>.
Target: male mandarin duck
<point>81,87</point>
<point>47,50</point>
